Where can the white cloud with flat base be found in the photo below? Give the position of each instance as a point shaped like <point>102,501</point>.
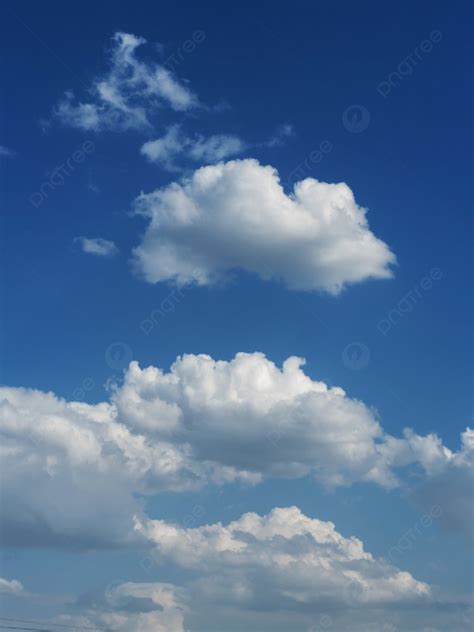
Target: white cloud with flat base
<point>202,422</point>
<point>236,215</point>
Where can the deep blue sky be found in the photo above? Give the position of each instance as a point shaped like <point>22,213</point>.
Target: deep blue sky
<point>272,64</point>
<point>409,167</point>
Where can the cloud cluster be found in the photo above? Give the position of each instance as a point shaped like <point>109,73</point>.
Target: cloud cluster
<point>236,215</point>
<point>274,573</point>
<point>128,94</point>
<point>280,571</point>
<point>282,560</point>
<point>89,469</point>
<point>204,421</point>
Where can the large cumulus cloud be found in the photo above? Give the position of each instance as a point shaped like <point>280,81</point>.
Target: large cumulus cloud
<point>72,474</point>
<point>203,421</point>
<point>236,215</point>
<point>282,558</point>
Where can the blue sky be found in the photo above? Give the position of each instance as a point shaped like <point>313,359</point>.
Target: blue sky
<point>284,82</point>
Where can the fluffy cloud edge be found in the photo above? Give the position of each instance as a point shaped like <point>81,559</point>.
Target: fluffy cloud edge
<point>12,588</point>
<point>204,422</point>
<point>236,215</point>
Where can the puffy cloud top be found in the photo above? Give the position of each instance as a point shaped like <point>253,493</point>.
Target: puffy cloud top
<point>237,215</point>
<point>283,558</point>
<point>202,421</point>
<point>249,414</point>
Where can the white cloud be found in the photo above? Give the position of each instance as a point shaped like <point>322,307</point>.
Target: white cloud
<point>251,415</point>
<point>236,215</point>
<point>175,149</point>
<point>128,94</point>
<point>202,422</point>
<point>11,588</point>
<point>171,149</point>
<point>90,470</point>
<point>281,561</point>
<point>97,246</point>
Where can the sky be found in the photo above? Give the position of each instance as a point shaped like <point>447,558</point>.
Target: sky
<point>236,331</point>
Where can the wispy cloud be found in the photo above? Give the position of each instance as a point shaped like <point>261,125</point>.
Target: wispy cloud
<point>97,246</point>
<point>174,148</point>
<point>128,94</point>
<point>280,136</point>
<point>4,151</point>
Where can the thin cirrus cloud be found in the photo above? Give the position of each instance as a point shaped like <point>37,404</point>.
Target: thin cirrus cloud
<point>236,215</point>
<point>128,95</point>
<point>97,246</point>
<point>174,147</point>
<point>280,136</point>
<point>174,150</point>
<point>6,152</point>
<point>203,422</point>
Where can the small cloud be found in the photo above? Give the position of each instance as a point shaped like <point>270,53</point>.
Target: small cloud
<point>97,246</point>
<point>281,134</point>
<point>93,187</point>
<point>11,587</point>
<point>4,151</point>
<point>174,145</point>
